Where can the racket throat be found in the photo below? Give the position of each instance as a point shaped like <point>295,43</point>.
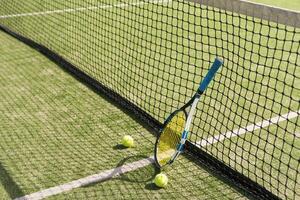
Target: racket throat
<point>173,158</point>
<point>180,148</point>
<point>185,133</point>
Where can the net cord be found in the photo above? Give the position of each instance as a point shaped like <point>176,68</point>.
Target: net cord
<point>257,10</point>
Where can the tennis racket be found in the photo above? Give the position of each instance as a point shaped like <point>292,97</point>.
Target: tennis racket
<point>171,139</point>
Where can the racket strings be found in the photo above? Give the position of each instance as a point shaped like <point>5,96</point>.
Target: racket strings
<point>170,137</point>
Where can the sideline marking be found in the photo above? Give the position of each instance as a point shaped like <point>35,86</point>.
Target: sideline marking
<point>108,174</point>
<point>249,128</point>
<point>69,10</point>
<point>102,176</point>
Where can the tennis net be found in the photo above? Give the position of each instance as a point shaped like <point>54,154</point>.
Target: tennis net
<point>151,55</point>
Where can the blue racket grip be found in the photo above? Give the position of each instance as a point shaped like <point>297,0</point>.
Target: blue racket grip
<point>210,74</point>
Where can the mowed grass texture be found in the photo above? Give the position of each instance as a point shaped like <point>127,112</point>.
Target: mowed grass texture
<point>54,130</point>
<point>155,54</point>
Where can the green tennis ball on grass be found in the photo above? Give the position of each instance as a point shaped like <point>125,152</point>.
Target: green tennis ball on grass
<point>127,141</point>
<point>161,180</point>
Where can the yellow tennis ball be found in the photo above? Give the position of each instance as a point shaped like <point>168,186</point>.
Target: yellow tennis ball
<point>161,180</point>
<point>127,141</point>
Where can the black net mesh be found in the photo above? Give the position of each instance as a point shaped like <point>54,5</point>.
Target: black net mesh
<point>154,54</point>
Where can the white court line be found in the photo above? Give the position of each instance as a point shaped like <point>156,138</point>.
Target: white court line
<point>250,128</point>
<point>108,174</point>
<point>68,10</point>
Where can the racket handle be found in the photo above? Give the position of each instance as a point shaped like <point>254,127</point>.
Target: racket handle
<point>210,74</point>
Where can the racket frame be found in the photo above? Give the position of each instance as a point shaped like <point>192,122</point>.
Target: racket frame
<point>189,116</point>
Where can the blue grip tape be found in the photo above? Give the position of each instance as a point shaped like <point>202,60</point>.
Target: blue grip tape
<point>184,134</point>
<point>210,74</point>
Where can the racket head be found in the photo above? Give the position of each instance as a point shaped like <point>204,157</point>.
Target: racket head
<point>169,138</point>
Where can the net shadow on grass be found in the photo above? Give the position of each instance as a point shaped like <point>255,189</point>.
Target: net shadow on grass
<point>152,49</point>
<point>142,174</point>
<point>121,103</point>
<point>182,182</point>
<point>182,174</point>
<point>139,176</point>
<point>218,175</point>
<point>10,186</point>
<point>20,181</point>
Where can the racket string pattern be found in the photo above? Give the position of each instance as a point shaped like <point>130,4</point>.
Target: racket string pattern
<point>171,140</point>
<point>170,137</point>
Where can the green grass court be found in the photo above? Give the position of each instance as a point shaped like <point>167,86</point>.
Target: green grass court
<point>51,146</point>
<point>54,129</point>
